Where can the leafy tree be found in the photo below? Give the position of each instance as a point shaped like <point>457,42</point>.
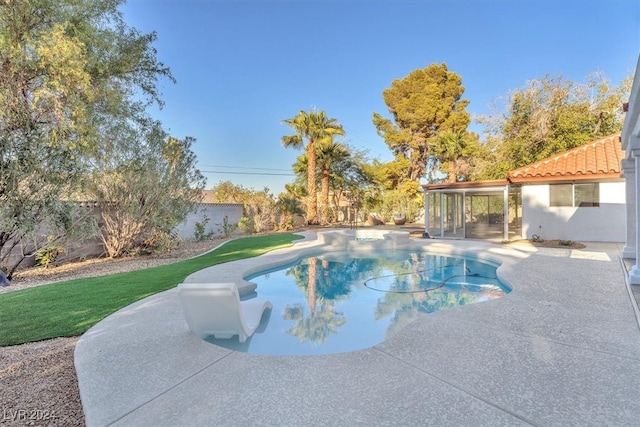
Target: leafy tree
<point>146,184</point>
<point>351,179</point>
<point>311,127</point>
<point>549,116</point>
<point>390,193</point>
<point>388,175</point>
<point>26,231</point>
<point>228,192</point>
<point>423,104</point>
<point>260,207</point>
<point>405,201</point>
<point>262,210</point>
<point>65,65</point>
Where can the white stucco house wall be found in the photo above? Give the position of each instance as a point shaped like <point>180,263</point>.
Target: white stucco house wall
<point>592,207</point>
<point>593,224</point>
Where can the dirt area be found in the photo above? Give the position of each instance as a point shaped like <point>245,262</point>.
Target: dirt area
<point>563,244</point>
<point>38,383</point>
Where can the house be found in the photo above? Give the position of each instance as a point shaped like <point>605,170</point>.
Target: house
<point>630,142</point>
<point>575,195</point>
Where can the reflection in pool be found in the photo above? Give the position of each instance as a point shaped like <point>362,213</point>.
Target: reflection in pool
<point>339,302</point>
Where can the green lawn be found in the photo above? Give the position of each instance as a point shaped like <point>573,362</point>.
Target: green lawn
<point>70,308</point>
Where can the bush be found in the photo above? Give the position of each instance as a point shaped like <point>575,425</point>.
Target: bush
<point>200,233</point>
<point>161,242</point>
<point>245,225</point>
<point>393,202</point>
<point>227,227</point>
<point>47,255</point>
<point>287,225</point>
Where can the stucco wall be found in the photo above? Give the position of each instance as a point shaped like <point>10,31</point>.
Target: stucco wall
<point>93,247</point>
<point>216,213</point>
<point>605,223</point>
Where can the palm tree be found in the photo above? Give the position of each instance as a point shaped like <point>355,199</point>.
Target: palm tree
<point>337,169</point>
<point>453,148</point>
<point>329,153</point>
<point>295,191</point>
<point>312,127</point>
<point>289,206</point>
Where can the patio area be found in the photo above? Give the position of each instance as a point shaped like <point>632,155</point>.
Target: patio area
<point>562,349</point>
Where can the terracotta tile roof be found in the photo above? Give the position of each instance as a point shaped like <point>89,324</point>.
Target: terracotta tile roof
<point>598,159</point>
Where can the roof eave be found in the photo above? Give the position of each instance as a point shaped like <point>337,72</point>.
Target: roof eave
<point>465,184</point>
<point>614,176</point>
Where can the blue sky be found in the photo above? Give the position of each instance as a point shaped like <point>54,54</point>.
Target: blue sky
<point>243,66</point>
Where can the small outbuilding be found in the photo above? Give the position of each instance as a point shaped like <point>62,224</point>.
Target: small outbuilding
<point>575,195</point>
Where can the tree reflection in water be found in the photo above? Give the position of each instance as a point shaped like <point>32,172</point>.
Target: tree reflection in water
<point>423,288</point>
<point>323,289</point>
<point>361,298</point>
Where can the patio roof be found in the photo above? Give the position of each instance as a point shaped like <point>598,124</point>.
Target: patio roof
<point>467,185</point>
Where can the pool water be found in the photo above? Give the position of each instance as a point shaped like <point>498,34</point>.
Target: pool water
<point>340,302</point>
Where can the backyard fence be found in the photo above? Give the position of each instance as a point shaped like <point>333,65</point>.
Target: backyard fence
<point>209,219</point>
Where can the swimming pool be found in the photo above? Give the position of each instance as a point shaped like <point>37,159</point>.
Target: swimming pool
<point>338,302</point>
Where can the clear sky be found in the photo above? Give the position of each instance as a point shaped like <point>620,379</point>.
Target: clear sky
<point>243,66</point>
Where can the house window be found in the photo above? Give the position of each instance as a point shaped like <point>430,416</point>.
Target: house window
<point>587,194</point>
<point>575,195</point>
<point>561,195</point>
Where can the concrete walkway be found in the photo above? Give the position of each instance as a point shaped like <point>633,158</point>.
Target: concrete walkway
<point>562,349</point>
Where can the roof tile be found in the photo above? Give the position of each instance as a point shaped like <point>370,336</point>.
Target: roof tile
<point>596,159</point>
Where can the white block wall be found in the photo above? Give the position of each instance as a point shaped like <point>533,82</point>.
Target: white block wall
<point>216,213</point>
<point>606,223</point>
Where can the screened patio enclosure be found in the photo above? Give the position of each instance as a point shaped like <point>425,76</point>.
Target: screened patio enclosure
<point>473,210</point>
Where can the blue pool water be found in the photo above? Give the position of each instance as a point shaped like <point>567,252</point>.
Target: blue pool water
<point>340,302</point>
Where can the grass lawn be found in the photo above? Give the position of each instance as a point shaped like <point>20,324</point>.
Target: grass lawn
<point>70,308</point>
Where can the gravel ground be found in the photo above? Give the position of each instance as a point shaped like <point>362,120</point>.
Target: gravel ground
<point>38,383</point>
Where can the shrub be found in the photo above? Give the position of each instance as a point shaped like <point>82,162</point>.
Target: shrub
<point>161,242</point>
<point>47,255</point>
<point>200,233</point>
<point>245,225</point>
<point>286,225</point>
<point>227,227</point>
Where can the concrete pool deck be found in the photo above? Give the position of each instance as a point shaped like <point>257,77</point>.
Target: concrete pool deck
<point>562,349</point>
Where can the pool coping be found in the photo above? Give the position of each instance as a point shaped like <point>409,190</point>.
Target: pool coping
<point>536,356</point>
